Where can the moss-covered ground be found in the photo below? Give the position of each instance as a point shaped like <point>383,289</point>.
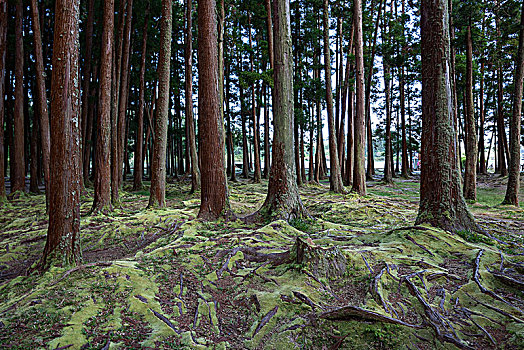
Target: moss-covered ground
<point>357,275</point>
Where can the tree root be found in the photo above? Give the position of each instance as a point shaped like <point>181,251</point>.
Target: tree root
<point>165,320</point>
<point>81,267</point>
<point>350,312</point>
<point>265,319</point>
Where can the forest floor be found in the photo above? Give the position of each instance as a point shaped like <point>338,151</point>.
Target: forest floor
<point>357,275</point>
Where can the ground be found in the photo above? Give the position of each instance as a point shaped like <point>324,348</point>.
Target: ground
<point>358,274</point>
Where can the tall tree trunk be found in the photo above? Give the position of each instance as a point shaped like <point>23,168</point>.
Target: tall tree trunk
<point>229,116</point>
<point>18,169</point>
<point>138,171</point>
<point>283,200</point>
<point>482,166</point>
<point>335,179</point>
<point>344,106</point>
<point>86,90</point>
<point>124,93</point>
<point>359,172</point>
<point>470,174</point>
<point>195,170</point>
<point>265,174</point>
<point>388,159</point>
<point>512,191</point>
<point>269,23</point>
<point>3,52</point>
<point>245,150</point>
<point>214,201</point>
<point>158,164</point>
<point>402,92</point>
<point>102,183</point>
<point>257,173</point>
<point>41,95</point>
<point>441,200</point>
<point>63,244</point>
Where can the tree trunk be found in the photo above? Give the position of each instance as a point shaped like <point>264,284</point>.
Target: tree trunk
<point>470,174</point>
<point>138,171</point>
<point>359,172</point>
<point>214,201</point>
<point>265,174</point>
<point>257,173</point>
<point>388,173</point>
<point>482,166</point>
<point>283,200</point>
<point>335,178</point>
<point>41,95</point>
<point>269,22</point>
<point>158,164</point>
<point>86,137</point>
<point>3,52</point>
<point>18,170</point>
<point>441,200</point>
<point>63,244</point>
<point>512,191</point>
<point>195,171</point>
<point>102,183</point>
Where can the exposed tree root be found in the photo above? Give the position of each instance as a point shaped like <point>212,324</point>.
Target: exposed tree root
<point>81,267</point>
<point>350,312</point>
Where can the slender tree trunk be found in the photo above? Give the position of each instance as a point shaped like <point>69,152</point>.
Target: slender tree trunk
<point>283,200</point>
<point>265,174</point>
<point>138,171</point>
<point>257,173</point>
<point>470,174</point>
<point>158,164</point>
<point>18,170</point>
<point>344,107</point>
<point>102,183</point>
<point>214,201</point>
<point>482,166</point>
<point>63,244</point>
<point>86,90</point>
<point>269,22</point>
<point>124,93</point>
<point>359,173</point>
<point>195,170</point>
<point>3,52</point>
<point>41,95</point>
<point>512,191</point>
<point>388,173</point>
<point>335,179</point>
<point>245,150</point>
<point>441,200</point>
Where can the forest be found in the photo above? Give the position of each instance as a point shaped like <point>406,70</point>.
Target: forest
<point>271,174</point>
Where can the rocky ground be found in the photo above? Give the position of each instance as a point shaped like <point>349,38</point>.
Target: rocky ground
<point>357,275</point>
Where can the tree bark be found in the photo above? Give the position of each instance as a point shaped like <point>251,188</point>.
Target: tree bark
<point>41,95</point>
<point>388,159</point>
<point>3,52</point>
<point>63,244</point>
<point>335,178</point>
<point>18,170</point>
<point>283,200</point>
<point>214,202</point>
<point>359,172</point>
<point>257,172</point>
<point>158,164</point>
<point>470,174</point>
<point>512,191</point>
<point>138,171</point>
<point>195,171</point>
<point>103,183</point>
<point>441,200</point>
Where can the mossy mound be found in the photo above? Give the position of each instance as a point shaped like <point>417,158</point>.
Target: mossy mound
<point>356,276</point>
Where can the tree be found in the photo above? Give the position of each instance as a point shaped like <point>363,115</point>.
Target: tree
<point>18,164</point>
<point>195,171</point>
<point>512,191</point>
<point>63,244</point>
<point>441,200</point>
<point>214,201</point>
<point>139,146</point>
<point>283,200</point>
<point>359,172</point>
<point>388,159</point>
<point>335,178</point>
<point>102,185</point>
<point>41,95</point>
<point>158,163</point>
<point>3,50</point>
<point>470,173</point>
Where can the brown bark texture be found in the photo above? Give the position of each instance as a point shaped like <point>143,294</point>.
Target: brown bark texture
<point>441,201</point>
<point>470,173</point>
<point>214,201</point>
<point>512,191</point>
<point>63,245</point>
<point>18,170</point>
<point>158,163</point>
<point>359,172</point>
<point>102,179</point>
